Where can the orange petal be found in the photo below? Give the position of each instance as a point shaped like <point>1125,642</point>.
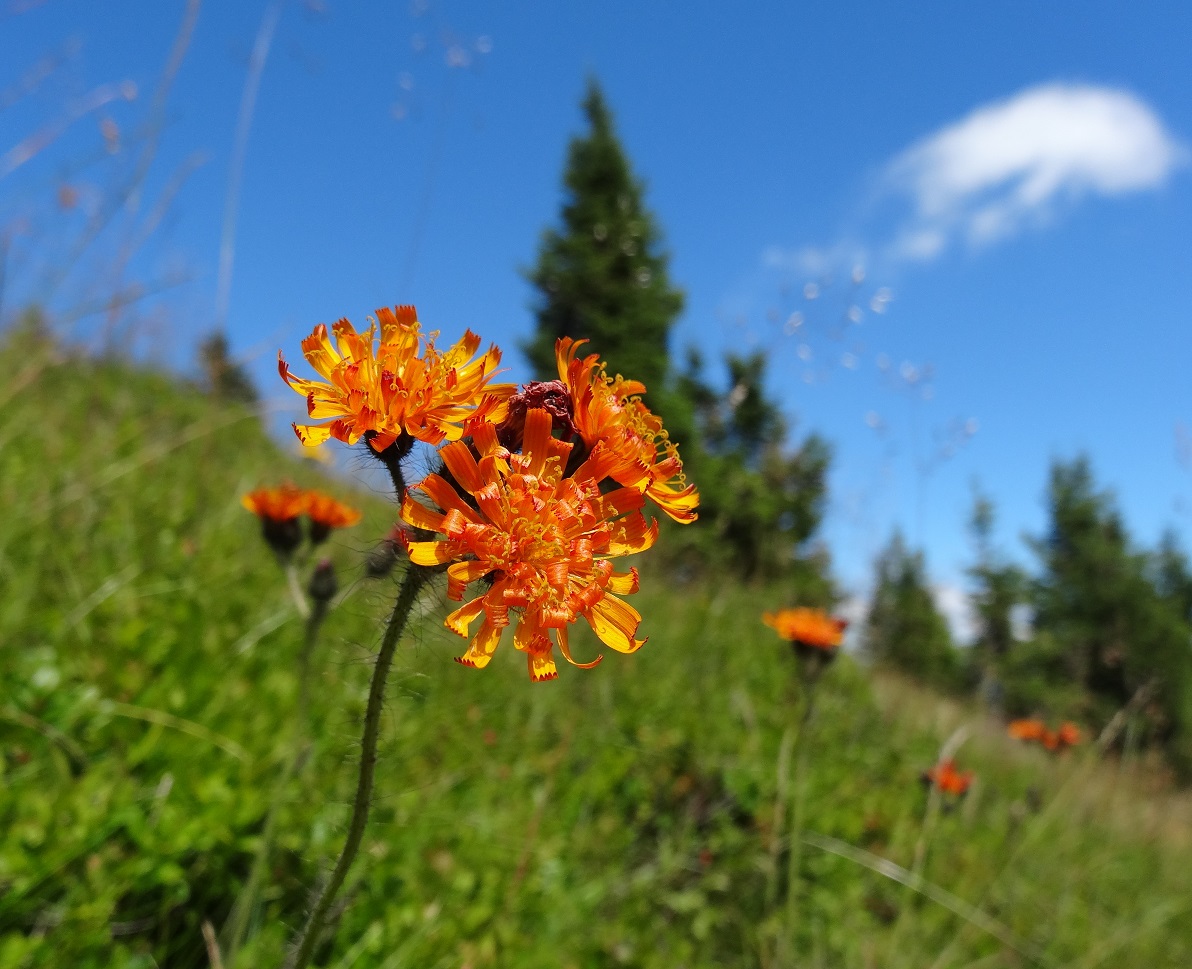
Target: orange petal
<point>434,553</point>
<point>482,647</point>
<point>312,435</point>
<point>565,649</point>
<point>623,583</point>
<point>463,467</point>
<point>615,622</point>
<point>461,620</point>
<point>417,514</point>
<point>537,434</point>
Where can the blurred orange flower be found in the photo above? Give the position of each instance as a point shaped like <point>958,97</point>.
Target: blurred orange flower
<point>811,627</point>
<point>325,513</point>
<point>948,779</point>
<point>1027,730</point>
<point>1067,735</point>
<point>546,542</point>
<point>402,386</point>
<point>610,410</point>
<point>278,509</point>
<point>283,503</point>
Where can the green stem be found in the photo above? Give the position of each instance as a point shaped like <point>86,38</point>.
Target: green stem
<point>414,579</point>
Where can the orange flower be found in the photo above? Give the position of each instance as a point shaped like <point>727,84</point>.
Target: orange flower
<point>325,513</point>
<point>547,543</point>
<point>1068,735</point>
<point>610,410</point>
<point>1027,730</point>
<point>948,779</point>
<point>811,627</point>
<point>279,504</point>
<point>401,387</point>
<point>278,509</point>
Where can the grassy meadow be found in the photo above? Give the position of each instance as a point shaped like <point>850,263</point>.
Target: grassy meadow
<point>622,816</point>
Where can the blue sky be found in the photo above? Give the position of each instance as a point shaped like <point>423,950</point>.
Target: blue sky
<point>1015,177</point>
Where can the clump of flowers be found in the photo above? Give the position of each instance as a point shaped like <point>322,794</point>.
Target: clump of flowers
<point>545,542</point>
<point>1066,735</point>
<point>541,490</point>
<point>281,509</point>
<point>400,387</point>
<point>948,779</point>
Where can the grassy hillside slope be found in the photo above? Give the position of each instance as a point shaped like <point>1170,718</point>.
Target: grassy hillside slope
<point>614,817</point>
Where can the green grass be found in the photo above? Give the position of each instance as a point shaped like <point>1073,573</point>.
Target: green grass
<point>614,817</point>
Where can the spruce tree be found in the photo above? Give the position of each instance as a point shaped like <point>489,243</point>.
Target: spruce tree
<point>603,275</point>
<point>761,500</point>
<point>999,586</point>
<point>904,629</point>
<point>1118,615</point>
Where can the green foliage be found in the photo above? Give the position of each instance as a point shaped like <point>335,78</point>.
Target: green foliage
<point>1033,681</point>
<point>224,377</point>
<point>904,629</point>
<point>602,274</point>
<point>615,817</point>
<point>761,503</point>
<point>998,587</point>
<point>1119,616</point>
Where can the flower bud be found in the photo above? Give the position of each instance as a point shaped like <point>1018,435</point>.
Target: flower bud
<point>323,583</point>
<point>382,558</point>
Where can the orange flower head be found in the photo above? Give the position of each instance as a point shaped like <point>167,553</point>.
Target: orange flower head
<point>809,627</point>
<point>1068,735</point>
<point>401,387</point>
<point>609,410</point>
<point>1027,730</point>
<point>278,509</point>
<point>948,779</point>
<point>325,514</point>
<point>545,542</point>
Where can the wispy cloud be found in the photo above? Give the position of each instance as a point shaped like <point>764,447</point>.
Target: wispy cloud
<point>1011,164</point>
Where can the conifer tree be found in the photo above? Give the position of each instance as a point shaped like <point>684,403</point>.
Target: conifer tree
<point>602,274</point>
<point>761,500</point>
<point>904,628</point>
<point>999,586</point>
<point>1118,615</point>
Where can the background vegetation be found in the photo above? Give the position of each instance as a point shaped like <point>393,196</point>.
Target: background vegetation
<point>620,816</point>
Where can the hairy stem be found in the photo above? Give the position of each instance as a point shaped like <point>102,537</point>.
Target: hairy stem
<point>414,579</point>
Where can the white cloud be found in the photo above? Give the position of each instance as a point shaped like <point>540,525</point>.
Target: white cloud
<point>813,260</point>
<point>1007,165</point>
